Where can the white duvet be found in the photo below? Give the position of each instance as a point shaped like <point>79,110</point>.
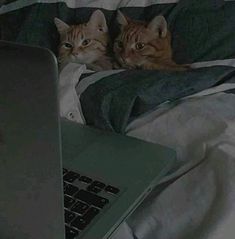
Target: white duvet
<point>199,203</point>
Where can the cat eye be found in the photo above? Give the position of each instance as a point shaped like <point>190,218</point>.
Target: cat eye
<point>86,42</point>
<point>68,45</point>
<point>139,46</point>
<point>119,44</point>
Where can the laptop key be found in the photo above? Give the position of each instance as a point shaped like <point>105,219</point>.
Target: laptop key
<point>85,179</point>
<point>91,213</point>
<point>112,189</point>
<point>68,216</point>
<point>93,189</point>
<point>70,233</point>
<point>71,177</point>
<point>91,198</point>
<point>98,184</point>
<point>80,208</point>
<point>65,185</point>
<point>79,223</point>
<point>70,190</point>
<point>68,201</point>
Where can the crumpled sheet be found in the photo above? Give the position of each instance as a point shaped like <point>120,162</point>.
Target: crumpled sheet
<point>198,201</point>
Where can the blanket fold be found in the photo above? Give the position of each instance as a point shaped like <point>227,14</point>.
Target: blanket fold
<point>114,101</point>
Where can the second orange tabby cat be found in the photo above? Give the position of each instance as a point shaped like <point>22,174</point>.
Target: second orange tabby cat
<point>144,45</point>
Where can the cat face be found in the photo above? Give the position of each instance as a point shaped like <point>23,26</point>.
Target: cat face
<point>83,43</point>
<point>140,43</point>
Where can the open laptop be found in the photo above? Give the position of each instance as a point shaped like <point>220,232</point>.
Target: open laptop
<point>104,176</point>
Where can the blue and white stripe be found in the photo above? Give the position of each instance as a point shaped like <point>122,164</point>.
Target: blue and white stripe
<point>104,4</point>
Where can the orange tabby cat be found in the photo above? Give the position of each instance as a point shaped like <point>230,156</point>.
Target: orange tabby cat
<point>85,43</point>
<point>145,45</point>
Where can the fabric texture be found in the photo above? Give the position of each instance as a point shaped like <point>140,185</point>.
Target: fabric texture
<point>198,201</point>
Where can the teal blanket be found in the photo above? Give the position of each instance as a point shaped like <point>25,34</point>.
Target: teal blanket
<point>114,101</point>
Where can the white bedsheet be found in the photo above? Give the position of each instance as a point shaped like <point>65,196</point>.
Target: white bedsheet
<point>199,203</point>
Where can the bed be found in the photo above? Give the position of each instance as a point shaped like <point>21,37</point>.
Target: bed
<point>192,112</point>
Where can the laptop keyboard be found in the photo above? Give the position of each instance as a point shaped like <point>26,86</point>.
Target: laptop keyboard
<point>84,199</point>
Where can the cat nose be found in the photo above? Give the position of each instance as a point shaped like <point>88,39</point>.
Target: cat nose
<point>128,60</point>
<point>122,54</point>
<point>76,51</point>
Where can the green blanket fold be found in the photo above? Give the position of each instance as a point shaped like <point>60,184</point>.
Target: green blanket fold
<point>112,102</point>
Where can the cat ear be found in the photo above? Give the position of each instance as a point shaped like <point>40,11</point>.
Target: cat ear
<point>97,20</point>
<point>159,25</point>
<point>60,25</point>
<point>121,19</point>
